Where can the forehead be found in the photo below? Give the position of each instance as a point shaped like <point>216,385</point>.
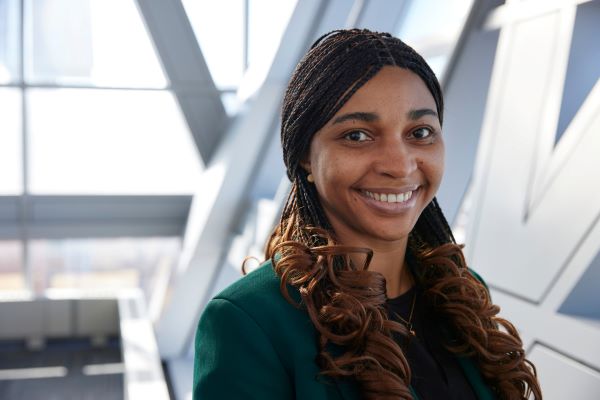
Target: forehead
<point>391,87</point>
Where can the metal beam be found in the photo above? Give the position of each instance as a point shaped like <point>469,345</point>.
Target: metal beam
<point>62,217</point>
<point>188,74</point>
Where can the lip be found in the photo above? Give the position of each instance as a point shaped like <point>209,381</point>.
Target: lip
<point>390,208</point>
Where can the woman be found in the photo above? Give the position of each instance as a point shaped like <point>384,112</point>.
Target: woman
<point>365,293</point>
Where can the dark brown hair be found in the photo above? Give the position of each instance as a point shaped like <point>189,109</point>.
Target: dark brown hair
<point>346,302</point>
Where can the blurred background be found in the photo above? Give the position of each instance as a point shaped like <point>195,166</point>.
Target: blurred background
<point>140,163</point>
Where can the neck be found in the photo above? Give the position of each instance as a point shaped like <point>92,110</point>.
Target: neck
<point>388,260</point>
<point>392,265</point>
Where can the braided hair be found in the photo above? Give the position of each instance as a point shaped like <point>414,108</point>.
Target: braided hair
<point>346,302</point>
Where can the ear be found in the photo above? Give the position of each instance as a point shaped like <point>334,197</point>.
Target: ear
<point>305,164</point>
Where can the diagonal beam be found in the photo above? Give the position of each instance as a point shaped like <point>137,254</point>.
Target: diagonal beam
<point>187,72</point>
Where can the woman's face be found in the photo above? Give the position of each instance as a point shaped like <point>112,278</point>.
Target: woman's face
<point>379,161</point>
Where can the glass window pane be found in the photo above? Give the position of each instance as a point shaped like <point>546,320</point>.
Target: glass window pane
<point>267,22</point>
<point>11,266</point>
<point>9,41</point>
<point>11,161</point>
<point>432,28</point>
<point>104,265</point>
<point>112,45</point>
<point>219,29</point>
<point>86,141</point>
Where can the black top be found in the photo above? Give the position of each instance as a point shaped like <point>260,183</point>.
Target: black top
<point>435,372</point>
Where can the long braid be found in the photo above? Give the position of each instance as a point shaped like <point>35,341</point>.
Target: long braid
<point>346,303</point>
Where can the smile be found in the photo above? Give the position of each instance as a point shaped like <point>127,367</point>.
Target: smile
<point>389,197</point>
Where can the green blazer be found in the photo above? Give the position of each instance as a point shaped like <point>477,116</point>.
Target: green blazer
<point>252,344</point>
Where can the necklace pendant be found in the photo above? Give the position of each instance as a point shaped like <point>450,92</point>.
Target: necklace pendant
<point>412,332</point>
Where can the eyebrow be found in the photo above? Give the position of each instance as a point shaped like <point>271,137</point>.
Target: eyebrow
<point>370,117</point>
<point>421,112</point>
<point>361,116</point>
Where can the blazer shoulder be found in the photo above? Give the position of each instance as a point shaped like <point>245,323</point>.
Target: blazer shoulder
<point>262,285</point>
<point>259,295</point>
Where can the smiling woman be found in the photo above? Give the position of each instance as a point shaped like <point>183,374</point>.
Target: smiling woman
<point>365,293</point>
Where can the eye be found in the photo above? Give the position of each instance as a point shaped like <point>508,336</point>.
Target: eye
<point>357,136</point>
<point>422,133</point>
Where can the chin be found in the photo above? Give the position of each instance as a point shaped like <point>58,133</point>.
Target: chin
<point>391,236</point>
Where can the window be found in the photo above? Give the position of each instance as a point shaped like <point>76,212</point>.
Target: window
<point>109,142</point>
<point>11,266</point>
<point>11,177</point>
<point>104,265</point>
<point>219,29</point>
<point>108,37</point>
<point>9,41</point>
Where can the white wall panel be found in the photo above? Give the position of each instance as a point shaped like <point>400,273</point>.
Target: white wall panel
<point>523,111</point>
<point>583,383</point>
<point>534,222</point>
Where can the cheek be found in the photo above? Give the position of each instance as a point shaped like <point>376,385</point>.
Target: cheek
<point>433,167</point>
<point>329,167</point>
<point>334,175</point>
<point>441,163</point>
<point>438,166</point>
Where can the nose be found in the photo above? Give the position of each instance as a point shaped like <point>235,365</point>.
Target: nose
<point>396,159</point>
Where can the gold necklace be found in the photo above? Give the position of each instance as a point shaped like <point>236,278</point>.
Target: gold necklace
<point>408,323</point>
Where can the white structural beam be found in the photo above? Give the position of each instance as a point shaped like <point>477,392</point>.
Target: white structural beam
<point>575,337</point>
<point>533,230</point>
<point>188,74</point>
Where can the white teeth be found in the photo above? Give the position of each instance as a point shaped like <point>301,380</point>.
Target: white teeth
<point>390,197</point>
